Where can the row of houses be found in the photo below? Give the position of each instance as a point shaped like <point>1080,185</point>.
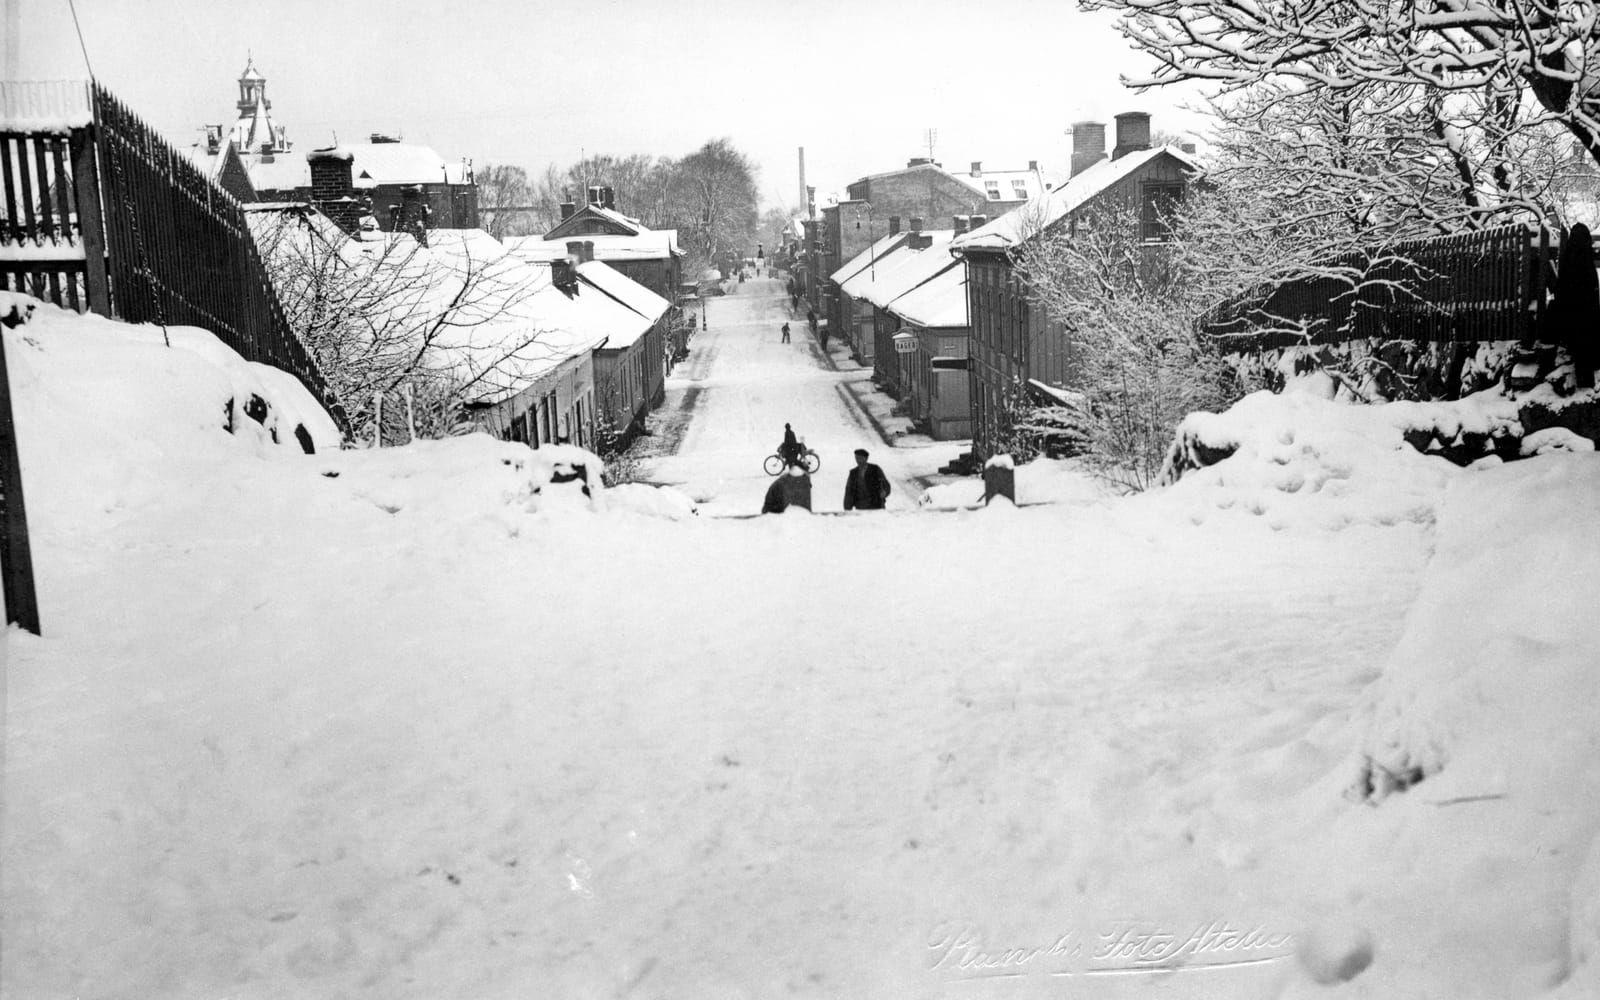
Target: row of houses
<point>941,312</point>
<point>565,336</point>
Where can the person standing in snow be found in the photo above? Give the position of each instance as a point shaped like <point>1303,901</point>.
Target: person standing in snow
<point>785,329</point>
<point>866,488</point>
<point>792,489</point>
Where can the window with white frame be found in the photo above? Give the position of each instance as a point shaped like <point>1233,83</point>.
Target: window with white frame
<point>993,189</point>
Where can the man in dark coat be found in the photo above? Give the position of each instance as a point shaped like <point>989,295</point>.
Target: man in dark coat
<point>866,488</point>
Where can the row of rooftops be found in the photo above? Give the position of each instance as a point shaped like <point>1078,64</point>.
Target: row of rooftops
<point>920,274</point>
<point>526,314</point>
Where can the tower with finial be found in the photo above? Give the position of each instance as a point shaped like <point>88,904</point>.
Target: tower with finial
<point>254,131</point>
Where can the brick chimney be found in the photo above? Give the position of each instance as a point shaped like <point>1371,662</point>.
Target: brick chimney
<point>976,221</point>
<point>959,223</point>
<point>1033,166</point>
<point>919,241</point>
<point>916,224</point>
<point>581,251</point>
<point>567,208</point>
<point>918,161</point>
<point>608,198</point>
<point>1133,133</point>
<point>977,168</point>
<point>1088,145</point>
<point>213,138</point>
<point>331,188</point>
<point>894,225</point>
<point>597,196</point>
<point>564,273</point>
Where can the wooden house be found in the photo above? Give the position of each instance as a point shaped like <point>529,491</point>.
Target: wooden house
<point>1014,343</point>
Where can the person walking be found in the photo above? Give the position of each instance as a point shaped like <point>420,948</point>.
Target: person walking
<point>785,329</point>
<point>866,488</point>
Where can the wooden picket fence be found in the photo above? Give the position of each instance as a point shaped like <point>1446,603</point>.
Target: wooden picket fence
<point>1488,285</point>
<point>108,216</point>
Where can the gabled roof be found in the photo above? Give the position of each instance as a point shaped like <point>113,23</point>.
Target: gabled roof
<point>1028,219</point>
<point>615,222</point>
<point>940,301</point>
<point>651,244</point>
<point>645,304</point>
<point>867,258</point>
<point>901,269</point>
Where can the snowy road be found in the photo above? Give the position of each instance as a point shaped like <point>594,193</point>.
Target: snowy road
<point>726,407</point>
<point>387,733</point>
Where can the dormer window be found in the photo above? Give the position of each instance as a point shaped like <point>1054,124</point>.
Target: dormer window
<point>993,189</point>
<point>1020,189</point>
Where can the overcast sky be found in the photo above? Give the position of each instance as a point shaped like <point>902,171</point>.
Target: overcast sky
<point>856,82</point>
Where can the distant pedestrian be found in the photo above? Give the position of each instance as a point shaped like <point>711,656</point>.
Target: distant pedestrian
<point>792,489</point>
<point>785,329</point>
<point>866,488</point>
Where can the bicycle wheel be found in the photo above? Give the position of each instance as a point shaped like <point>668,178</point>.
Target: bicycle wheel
<point>813,462</point>
<point>773,464</point>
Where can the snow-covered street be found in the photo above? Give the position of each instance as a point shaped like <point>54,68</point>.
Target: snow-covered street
<point>727,405</point>
<point>360,724</point>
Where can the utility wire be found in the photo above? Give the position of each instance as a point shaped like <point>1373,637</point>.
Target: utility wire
<point>81,46</point>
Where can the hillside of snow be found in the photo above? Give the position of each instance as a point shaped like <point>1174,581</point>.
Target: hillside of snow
<point>417,723</point>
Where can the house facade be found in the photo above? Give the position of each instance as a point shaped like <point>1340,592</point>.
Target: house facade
<point>1016,348</point>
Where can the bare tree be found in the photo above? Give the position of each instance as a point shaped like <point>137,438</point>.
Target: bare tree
<point>506,201</point>
<point>1521,63</point>
<point>1125,306</point>
<point>401,331</point>
<point>715,200</point>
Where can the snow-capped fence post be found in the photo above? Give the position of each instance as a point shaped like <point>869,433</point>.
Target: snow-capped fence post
<point>16,560</point>
<point>999,479</point>
<point>86,188</point>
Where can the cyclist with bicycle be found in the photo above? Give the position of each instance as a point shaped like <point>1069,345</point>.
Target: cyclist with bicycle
<point>791,451</point>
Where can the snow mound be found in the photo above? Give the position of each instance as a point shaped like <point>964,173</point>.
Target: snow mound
<point>652,501</point>
<point>1494,673</point>
<point>141,414</point>
<point>1301,458</point>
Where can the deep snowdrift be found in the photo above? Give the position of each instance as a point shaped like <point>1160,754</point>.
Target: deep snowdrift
<point>415,731</point>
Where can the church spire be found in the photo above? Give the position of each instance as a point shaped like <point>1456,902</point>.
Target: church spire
<point>255,131</point>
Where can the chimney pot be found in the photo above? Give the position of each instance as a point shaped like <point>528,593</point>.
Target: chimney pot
<point>1133,133</point>
<point>567,208</point>
<point>1033,165</point>
<point>916,224</point>
<point>1187,147</point>
<point>608,197</point>
<point>959,224</point>
<point>563,274</point>
<point>1088,145</point>
<point>894,225</point>
<point>977,168</point>
<point>976,222</point>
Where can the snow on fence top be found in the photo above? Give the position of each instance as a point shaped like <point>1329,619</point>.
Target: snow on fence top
<point>44,105</point>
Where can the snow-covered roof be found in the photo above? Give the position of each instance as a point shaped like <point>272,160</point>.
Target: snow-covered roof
<point>1013,185</point>
<point>506,326</point>
<point>373,163</point>
<point>940,301</point>
<point>651,244</point>
<point>1026,220</point>
<point>649,306</point>
<point>902,269</point>
<point>44,105</point>
<point>279,172</point>
<point>201,156</point>
<point>867,258</point>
